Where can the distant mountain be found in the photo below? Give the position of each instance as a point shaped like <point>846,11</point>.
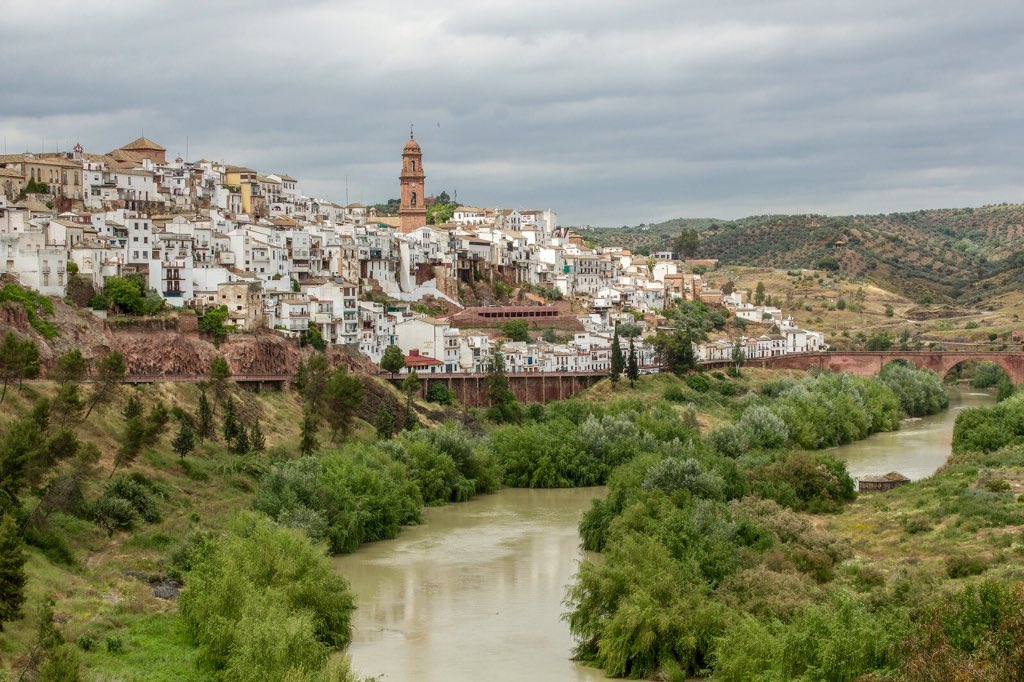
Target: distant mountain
<point>964,255</point>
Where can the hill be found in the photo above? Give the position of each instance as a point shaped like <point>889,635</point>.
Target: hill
<point>952,255</point>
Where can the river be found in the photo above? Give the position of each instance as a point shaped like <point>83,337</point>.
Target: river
<point>474,593</point>
<point>919,448</point>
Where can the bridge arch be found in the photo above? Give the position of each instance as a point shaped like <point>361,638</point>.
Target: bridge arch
<point>867,363</point>
<point>1001,362</point>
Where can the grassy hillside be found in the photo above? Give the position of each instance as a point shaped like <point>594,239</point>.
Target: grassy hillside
<point>101,583</point>
<point>962,255</point>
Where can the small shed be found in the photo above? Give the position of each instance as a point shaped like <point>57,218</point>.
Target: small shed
<point>881,483</point>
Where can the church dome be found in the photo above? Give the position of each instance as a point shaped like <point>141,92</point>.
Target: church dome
<point>412,145</point>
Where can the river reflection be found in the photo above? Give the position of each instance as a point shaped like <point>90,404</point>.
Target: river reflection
<point>475,593</point>
<point>919,448</point>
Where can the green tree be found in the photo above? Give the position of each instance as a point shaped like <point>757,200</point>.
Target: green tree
<point>204,420</point>
<point>516,330</point>
<point>739,356</point>
<point>410,386</point>
<point>503,405</point>
<point>132,408</point>
<point>220,373</point>
<point>308,441</point>
<point>126,294</point>
<point>393,360</point>
<point>212,322</point>
<point>314,338</point>
<point>759,294</point>
<point>728,287</point>
<point>21,440</point>
<point>257,441</point>
<point>12,570</point>
<point>343,395</point>
<point>19,359</point>
<point>385,424</point>
<point>231,425</point>
<point>70,367</point>
<point>687,243</point>
<point>311,378</point>
<point>632,365</point>
<point>241,444</point>
<point>184,442</point>
<point>618,363</point>
<point>110,372</point>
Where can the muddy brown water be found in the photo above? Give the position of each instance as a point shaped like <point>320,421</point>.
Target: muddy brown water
<point>919,448</point>
<point>474,593</point>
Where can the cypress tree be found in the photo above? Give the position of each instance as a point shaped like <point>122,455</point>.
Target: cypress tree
<point>257,443</point>
<point>241,442</point>
<point>231,425</point>
<point>632,366</point>
<point>385,422</point>
<point>204,421</point>
<point>308,441</point>
<point>618,362</point>
<point>184,441</point>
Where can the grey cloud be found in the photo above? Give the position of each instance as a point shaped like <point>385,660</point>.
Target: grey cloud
<point>608,112</point>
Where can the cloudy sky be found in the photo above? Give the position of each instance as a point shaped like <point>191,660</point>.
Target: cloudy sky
<point>610,113</point>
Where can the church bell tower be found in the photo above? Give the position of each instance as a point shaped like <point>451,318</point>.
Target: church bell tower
<point>412,213</point>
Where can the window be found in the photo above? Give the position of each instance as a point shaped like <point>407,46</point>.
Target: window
<point>413,203</point>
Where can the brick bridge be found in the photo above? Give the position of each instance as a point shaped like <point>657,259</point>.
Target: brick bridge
<point>469,388</point>
<point>528,387</point>
<point>867,363</point>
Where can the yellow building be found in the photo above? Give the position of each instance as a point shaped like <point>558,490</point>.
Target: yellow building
<point>244,179</point>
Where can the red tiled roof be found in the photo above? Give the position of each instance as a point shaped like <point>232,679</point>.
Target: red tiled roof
<point>421,361</point>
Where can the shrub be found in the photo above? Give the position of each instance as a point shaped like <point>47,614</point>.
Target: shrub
<point>764,428</point>
<point>699,383</point>
<point>963,566</point>
<point>440,394</point>
<point>262,602</point>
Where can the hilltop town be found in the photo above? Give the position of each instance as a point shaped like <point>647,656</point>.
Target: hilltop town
<point>250,250</point>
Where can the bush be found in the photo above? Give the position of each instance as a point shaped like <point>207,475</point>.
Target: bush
<point>963,566</point>
<point>361,495</point>
<point>699,383</point>
<point>440,394</point>
<point>262,602</point>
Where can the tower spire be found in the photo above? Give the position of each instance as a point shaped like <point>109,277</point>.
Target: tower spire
<point>410,131</point>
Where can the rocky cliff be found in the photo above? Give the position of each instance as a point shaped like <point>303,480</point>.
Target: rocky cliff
<point>165,346</point>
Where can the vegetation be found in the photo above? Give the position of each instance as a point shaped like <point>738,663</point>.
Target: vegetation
<point>516,330</point>
<point>211,322</point>
<point>36,307</point>
<point>19,359</point>
<point>709,567</point>
<point>960,255</point>
<point>393,360</point>
<point>618,361</point>
<point>129,296</point>
<point>263,603</point>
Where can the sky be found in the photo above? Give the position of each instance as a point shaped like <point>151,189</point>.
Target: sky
<point>610,113</point>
